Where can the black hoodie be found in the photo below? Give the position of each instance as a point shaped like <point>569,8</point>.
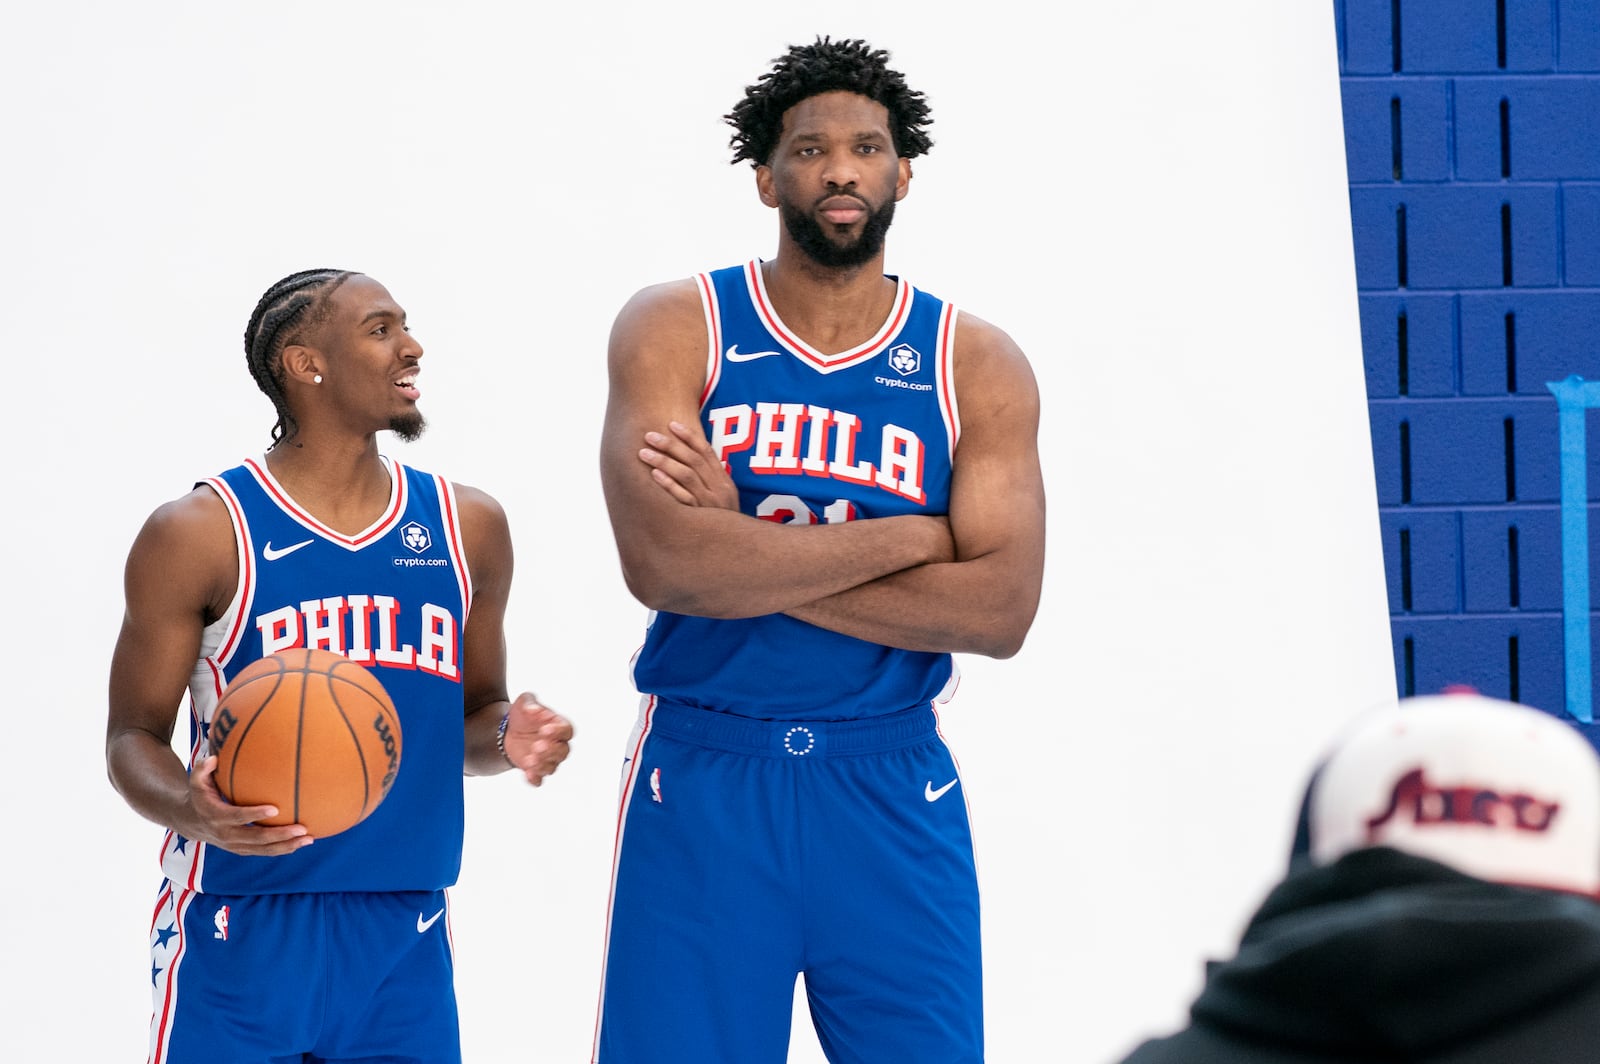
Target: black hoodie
<point>1386,956</point>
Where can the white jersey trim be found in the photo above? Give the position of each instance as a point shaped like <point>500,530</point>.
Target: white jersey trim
<point>218,642</point>
<point>630,772</point>
<point>222,636</point>
<point>713,312</point>
<point>456,546</point>
<point>391,514</point>
<point>814,358</point>
<point>944,370</point>
<point>177,901</point>
<point>941,699</point>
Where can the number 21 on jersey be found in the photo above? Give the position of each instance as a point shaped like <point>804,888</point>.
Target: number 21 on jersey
<point>792,510</point>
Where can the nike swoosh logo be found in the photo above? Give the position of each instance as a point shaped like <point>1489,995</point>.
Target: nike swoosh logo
<point>423,925</point>
<point>273,555</point>
<point>934,795</point>
<point>733,354</point>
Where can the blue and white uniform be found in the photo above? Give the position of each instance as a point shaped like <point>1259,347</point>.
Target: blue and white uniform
<point>340,950</point>
<point>788,804</point>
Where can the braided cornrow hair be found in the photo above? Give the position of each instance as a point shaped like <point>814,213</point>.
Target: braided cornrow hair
<point>807,70</point>
<point>281,317</point>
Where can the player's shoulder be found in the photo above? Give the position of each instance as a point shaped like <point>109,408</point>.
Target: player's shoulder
<point>477,503</point>
<point>199,512</point>
<point>985,356</point>
<point>664,302</point>
<point>661,331</point>
<point>196,527</point>
<point>486,535</point>
<point>982,337</point>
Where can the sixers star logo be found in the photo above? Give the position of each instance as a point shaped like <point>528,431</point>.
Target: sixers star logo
<point>416,537</point>
<point>904,360</point>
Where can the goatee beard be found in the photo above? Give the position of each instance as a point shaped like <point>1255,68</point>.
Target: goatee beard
<point>409,427</point>
<point>807,233</point>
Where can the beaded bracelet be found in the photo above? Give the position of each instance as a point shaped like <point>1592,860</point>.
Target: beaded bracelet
<point>500,738</point>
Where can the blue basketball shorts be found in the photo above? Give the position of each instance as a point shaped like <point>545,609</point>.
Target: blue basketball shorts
<point>275,978</point>
<point>751,852</point>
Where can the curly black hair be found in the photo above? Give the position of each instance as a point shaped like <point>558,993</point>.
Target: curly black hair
<point>283,314</point>
<point>826,66</point>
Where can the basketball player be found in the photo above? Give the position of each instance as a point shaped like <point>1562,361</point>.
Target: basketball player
<point>267,944</point>
<point>788,804</point>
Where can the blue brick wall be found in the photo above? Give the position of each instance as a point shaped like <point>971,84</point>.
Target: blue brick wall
<point>1475,206</point>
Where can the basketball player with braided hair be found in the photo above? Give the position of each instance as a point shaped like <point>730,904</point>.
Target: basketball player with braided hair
<point>267,944</point>
<point>823,483</point>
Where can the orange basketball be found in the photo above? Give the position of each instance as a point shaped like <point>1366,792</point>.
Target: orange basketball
<point>310,732</point>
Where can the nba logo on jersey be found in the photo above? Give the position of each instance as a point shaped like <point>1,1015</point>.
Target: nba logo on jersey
<point>221,920</point>
<point>655,784</point>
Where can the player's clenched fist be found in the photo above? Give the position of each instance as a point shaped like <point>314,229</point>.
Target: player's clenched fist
<point>537,738</point>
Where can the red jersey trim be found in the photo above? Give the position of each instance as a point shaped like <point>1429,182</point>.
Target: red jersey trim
<point>647,719</point>
<point>286,503</point>
<point>457,548</point>
<point>708,302</point>
<point>161,1037</point>
<point>810,355</point>
<point>945,375</point>
<point>247,572</point>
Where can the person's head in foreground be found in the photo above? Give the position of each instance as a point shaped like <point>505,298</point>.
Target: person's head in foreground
<point>1440,904</point>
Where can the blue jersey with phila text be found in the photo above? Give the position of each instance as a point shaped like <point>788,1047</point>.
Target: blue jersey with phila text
<point>812,438</point>
<point>393,598</point>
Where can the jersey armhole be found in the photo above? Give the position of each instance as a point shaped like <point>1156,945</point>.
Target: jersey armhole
<point>221,637</point>
<point>708,304</point>
<point>451,511</point>
<point>945,376</point>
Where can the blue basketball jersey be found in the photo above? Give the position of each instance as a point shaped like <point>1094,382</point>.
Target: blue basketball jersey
<point>393,598</point>
<point>812,437</point>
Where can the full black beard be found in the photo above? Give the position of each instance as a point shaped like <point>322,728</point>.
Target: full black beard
<point>807,233</point>
<point>409,427</point>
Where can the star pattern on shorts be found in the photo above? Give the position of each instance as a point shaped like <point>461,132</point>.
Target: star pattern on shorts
<point>164,940</point>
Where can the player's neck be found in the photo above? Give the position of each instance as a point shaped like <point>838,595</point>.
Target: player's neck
<point>831,308</point>
<point>342,483</point>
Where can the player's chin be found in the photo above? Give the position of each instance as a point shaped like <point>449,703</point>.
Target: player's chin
<point>409,426</point>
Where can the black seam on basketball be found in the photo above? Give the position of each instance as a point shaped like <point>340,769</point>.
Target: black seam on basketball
<point>364,681</point>
<point>355,739</point>
<point>300,732</point>
<point>244,730</point>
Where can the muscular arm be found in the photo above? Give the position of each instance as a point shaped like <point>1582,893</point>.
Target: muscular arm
<point>985,599</point>
<point>181,570</point>
<point>707,561</point>
<point>536,737</point>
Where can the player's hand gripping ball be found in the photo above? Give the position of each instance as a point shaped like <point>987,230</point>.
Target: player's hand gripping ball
<point>310,732</point>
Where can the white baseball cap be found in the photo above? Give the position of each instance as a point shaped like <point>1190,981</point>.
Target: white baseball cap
<point>1494,789</point>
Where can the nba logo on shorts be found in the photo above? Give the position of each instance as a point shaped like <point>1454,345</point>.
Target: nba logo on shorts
<point>655,784</point>
<point>221,920</point>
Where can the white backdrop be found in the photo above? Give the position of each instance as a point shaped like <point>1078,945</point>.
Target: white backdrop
<point>1150,198</point>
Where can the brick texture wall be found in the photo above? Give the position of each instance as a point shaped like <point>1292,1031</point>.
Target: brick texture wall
<point>1472,134</point>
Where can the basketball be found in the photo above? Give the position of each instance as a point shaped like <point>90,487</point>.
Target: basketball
<point>310,732</point>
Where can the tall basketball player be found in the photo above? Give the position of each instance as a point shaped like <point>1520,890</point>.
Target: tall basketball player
<point>823,482</point>
<point>267,944</point>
